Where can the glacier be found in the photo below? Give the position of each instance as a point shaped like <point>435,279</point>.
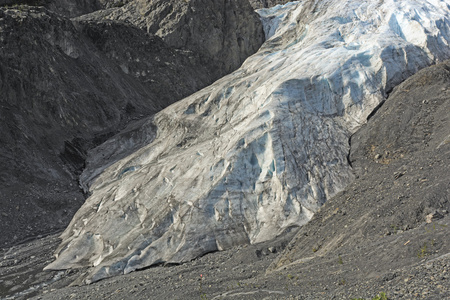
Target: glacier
<point>260,150</point>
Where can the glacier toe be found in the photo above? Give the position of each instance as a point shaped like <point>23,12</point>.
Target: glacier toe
<point>261,149</point>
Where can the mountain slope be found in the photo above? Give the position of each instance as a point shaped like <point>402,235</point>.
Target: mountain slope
<point>263,148</point>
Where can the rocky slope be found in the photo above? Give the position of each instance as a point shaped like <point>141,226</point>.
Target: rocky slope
<point>69,84</point>
<point>262,149</point>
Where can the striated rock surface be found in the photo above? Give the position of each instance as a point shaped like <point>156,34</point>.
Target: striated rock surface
<point>260,150</point>
<point>66,86</point>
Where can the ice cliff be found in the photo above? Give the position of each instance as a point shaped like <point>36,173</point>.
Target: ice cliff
<point>260,150</point>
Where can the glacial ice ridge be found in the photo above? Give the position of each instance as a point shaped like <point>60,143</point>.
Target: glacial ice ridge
<point>261,149</point>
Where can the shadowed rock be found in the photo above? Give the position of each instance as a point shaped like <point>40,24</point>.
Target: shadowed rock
<point>223,33</point>
<point>266,3</point>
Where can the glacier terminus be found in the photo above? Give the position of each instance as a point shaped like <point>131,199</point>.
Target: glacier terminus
<point>260,150</point>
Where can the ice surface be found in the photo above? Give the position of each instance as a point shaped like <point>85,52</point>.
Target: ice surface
<point>261,149</point>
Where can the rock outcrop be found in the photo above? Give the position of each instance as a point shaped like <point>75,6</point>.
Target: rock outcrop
<point>223,33</point>
<point>260,150</point>
<point>256,4</point>
<point>66,86</point>
<point>68,8</point>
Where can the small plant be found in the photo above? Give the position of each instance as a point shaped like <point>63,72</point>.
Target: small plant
<point>394,228</point>
<point>380,296</point>
<point>20,7</point>
<point>290,276</point>
<point>200,289</point>
<point>427,229</point>
<point>423,251</point>
<point>340,260</point>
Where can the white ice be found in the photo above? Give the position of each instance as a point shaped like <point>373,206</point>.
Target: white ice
<point>261,149</point>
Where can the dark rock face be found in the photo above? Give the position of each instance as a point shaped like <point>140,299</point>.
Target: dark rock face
<point>223,33</point>
<point>75,8</point>
<point>402,158</point>
<point>266,3</point>
<point>69,8</point>
<point>66,86</point>
<point>22,2</point>
<point>218,30</point>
